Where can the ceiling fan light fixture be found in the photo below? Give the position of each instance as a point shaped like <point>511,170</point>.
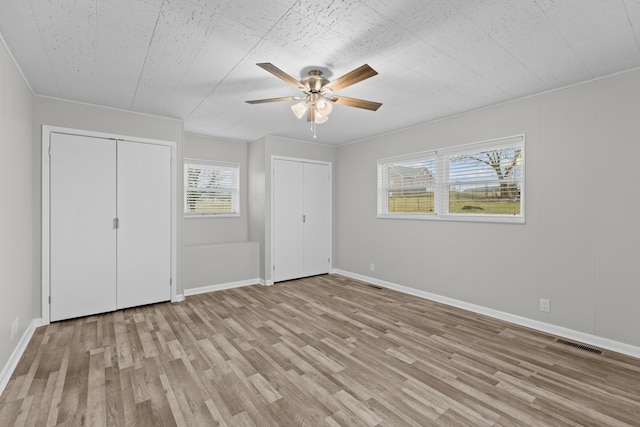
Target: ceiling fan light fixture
<point>324,107</point>
<point>300,109</point>
<point>320,118</point>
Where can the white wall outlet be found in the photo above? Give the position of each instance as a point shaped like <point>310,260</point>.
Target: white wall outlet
<point>544,305</point>
<point>372,267</point>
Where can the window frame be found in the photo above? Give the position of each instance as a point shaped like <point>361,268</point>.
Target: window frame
<point>212,165</point>
<point>442,184</point>
<point>383,190</point>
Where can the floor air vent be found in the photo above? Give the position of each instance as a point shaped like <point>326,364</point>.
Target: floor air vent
<point>580,346</point>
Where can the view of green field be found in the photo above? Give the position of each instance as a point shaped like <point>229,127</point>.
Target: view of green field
<point>209,206</point>
<point>459,203</point>
<point>411,204</point>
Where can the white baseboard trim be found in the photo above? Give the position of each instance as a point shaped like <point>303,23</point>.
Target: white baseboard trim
<point>221,287</point>
<point>560,331</point>
<point>10,366</point>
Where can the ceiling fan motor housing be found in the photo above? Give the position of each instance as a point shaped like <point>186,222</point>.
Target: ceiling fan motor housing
<point>314,81</point>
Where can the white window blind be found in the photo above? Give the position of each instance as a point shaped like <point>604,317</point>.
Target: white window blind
<point>485,179</point>
<point>211,188</point>
<point>482,181</point>
<point>406,184</point>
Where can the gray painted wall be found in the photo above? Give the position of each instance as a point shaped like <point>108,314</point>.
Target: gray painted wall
<point>213,250</point>
<point>257,197</point>
<point>19,245</point>
<point>218,230</point>
<point>581,239</point>
<point>55,112</point>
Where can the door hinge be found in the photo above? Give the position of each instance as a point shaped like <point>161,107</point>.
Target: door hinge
<point>170,281</point>
<point>49,299</point>
<point>49,151</point>
<point>116,223</point>
<point>274,267</point>
<point>329,260</point>
<point>304,219</point>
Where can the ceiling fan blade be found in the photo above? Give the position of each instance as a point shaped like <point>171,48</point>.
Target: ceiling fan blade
<point>281,75</point>
<point>262,101</point>
<point>352,77</point>
<point>354,102</point>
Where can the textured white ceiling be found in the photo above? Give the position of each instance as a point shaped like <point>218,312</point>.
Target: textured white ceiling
<point>195,59</point>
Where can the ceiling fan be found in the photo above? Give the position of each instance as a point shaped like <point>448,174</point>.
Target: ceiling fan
<point>318,98</point>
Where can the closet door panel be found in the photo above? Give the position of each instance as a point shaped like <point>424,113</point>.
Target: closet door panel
<point>82,235</point>
<point>144,233</point>
<point>287,220</point>
<point>317,212</point>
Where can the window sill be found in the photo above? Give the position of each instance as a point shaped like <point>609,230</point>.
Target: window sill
<point>210,215</point>
<point>498,219</point>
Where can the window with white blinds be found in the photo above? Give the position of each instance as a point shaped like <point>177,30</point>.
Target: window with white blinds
<point>478,182</point>
<point>211,188</point>
<point>406,185</point>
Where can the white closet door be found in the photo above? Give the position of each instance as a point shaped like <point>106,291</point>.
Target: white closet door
<point>317,212</point>
<point>144,233</point>
<point>287,220</point>
<point>82,234</point>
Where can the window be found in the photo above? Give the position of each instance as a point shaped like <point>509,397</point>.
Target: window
<point>478,182</point>
<point>211,188</point>
<point>407,184</point>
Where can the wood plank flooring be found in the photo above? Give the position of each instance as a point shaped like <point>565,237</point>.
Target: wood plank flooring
<point>322,351</point>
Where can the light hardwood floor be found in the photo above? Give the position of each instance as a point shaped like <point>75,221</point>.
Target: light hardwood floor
<point>326,350</point>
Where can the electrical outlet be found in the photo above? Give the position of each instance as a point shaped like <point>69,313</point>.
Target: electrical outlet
<point>544,305</point>
<point>372,267</point>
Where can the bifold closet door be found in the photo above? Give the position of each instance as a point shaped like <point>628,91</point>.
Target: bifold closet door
<point>301,223</point>
<point>317,213</point>
<point>82,236</point>
<point>110,225</point>
<point>144,230</point>
<point>288,227</point>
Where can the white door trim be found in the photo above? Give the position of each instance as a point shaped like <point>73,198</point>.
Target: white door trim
<point>46,266</point>
<point>269,268</point>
